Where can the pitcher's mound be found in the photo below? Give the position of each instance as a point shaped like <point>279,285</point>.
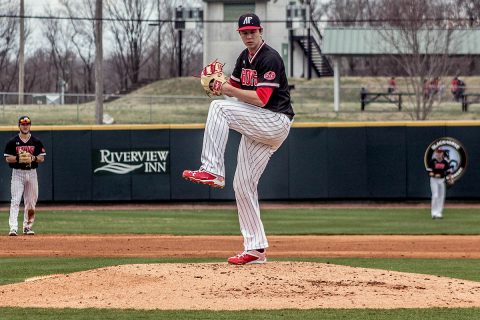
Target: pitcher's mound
<point>218,286</point>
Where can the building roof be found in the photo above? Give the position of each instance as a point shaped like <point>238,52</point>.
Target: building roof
<point>376,41</point>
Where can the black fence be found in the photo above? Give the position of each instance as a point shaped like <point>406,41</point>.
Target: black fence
<point>384,161</point>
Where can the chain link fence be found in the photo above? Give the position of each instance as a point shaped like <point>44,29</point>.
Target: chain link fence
<point>311,103</point>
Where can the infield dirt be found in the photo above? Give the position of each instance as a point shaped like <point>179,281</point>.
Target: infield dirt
<point>219,286</point>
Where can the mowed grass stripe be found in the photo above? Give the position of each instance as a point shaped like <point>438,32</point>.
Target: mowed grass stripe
<point>277,222</point>
<point>288,314</point>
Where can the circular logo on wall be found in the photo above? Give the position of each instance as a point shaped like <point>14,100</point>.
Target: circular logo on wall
<point>453,151</point>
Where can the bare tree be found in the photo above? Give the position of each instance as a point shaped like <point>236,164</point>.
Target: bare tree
<point>82,38</point>
<point>420,36</point>
<point>471,10</point>
<point>8,46</point>
<point>130,34</point>
<point>61,49</point>
<point>347,13</point>
<point>40,76</point>
<point>344,12</point>
<point>420,39</point>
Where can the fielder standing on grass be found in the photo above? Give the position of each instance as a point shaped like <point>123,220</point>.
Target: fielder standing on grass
<point>438,171</point>
<point>23,153</point>
<point>263,115</point>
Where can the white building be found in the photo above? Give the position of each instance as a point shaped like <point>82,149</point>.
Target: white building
<point>221,40</point>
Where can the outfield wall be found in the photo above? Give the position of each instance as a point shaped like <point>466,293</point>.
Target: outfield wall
<point>361,161</point>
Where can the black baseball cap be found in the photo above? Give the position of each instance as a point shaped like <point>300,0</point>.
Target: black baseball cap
<point>24,120</point>
<point>249,21</point>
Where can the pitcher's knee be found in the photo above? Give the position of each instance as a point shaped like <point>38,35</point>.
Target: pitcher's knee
<point>236,184</point>
<point>239,185</point>
<point>215,104</point>
<point>243,188</point>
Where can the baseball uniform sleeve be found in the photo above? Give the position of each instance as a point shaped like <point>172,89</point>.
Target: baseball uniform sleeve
<point>264,93</point>
<point>269,73</point>
<point>39,149</point>
<point>10,149</point>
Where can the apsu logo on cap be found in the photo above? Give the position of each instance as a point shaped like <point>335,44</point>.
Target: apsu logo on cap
<point>454,153</point>
<point>247,20</point>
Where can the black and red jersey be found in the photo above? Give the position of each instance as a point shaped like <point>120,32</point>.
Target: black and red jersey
<point>32,145</point>
<point>264,69</point>
<point>441,168</point>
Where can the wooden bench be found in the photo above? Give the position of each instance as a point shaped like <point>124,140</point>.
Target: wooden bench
<point>396,98</point>
<point>383,97</point>
<point>468,99</point>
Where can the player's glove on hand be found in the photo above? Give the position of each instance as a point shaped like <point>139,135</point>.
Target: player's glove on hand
<point>213,78</point>
<point>24,157</point>
<point>449,181</point>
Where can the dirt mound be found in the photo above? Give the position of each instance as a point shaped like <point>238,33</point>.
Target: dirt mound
<point>214,286</point>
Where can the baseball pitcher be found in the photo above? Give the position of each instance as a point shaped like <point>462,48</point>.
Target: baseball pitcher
<point>262,113</point>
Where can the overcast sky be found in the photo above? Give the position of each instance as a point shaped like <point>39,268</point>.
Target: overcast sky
<point>36,6</point>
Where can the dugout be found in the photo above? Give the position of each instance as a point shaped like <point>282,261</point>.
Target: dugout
<point>318,161</point>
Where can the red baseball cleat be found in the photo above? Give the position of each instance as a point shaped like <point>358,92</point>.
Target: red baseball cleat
<point>204,177</point>
<point>248,257</point>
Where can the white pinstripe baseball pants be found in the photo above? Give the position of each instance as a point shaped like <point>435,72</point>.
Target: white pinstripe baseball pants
<point>24,182</point>
<point>263,132</point>
<point>438,188</point>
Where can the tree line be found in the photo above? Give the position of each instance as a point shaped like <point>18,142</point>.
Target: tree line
<point>406,15</point>
<point>135,51</point>
<point>139,52</point>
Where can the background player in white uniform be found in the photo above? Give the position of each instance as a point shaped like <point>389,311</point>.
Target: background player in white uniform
<point>438,170</point>
<point>24,176</point>
<point>263,115</point>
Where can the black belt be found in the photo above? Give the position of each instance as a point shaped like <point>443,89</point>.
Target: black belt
<point>24,169</point>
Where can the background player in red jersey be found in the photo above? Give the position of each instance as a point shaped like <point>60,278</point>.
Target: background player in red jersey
<point>262,113</point>
<point>438,170</point>
<point>23,153</point>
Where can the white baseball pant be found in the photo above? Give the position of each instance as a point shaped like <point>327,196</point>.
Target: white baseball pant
<point>263,132</point>
<point>438,187</point>
<point>24,182</point>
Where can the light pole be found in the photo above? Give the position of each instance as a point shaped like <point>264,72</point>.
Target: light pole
<point>61,86</point>
<point>21,55</point>
<point>99,62</point>
<point>179,25</point>
<point>183,15</point>
<point>159,40</point>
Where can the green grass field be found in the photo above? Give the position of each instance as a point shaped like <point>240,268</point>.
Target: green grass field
<point>182,100</point>
<point>279,222</point>
<point>326,314</point>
